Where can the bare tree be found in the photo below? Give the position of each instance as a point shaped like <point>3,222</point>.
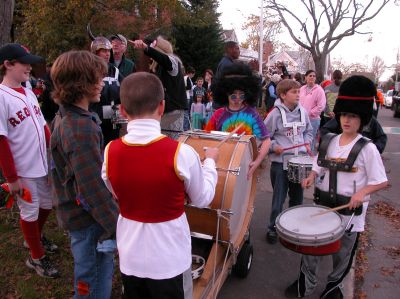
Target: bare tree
<point>325,24</point>
<point>377,67</point>
<point>6,18</point>
<point>271,28</point>
<point>348,68</point>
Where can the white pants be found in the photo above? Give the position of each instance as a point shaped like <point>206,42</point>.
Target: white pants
<point>41,198</point>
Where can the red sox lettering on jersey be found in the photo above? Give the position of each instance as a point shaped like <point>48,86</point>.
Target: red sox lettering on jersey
<point>22,122</point>
<point>22,114</point>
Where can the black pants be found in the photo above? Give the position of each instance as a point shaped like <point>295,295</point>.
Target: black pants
<point>146,288</point>
<point>109,133</point>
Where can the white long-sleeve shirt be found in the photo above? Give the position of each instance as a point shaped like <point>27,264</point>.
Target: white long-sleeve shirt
<point>163,250</point>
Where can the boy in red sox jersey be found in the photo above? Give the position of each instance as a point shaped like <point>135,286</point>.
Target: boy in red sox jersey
<point>23,159</point>
<point>149,174</point>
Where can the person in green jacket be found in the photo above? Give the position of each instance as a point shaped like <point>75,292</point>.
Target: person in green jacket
<point>125,65</point>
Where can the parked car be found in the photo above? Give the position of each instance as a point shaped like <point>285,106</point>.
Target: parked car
<point>388,99</point>
<point>396,104</point>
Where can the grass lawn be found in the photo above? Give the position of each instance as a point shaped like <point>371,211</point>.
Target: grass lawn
<point>18,281</point>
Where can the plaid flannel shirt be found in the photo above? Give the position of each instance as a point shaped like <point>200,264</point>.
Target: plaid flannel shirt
<point>81,197</point>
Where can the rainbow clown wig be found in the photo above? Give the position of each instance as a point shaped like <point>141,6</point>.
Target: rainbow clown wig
<point>237,76</point>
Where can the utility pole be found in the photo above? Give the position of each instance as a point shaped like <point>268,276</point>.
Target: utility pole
<point>260,53</point>
<point>397,65</point>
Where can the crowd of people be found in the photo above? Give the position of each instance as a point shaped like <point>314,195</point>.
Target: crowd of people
<point>89,162</point>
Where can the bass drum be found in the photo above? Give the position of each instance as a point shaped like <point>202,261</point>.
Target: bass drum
<point>233,203</point>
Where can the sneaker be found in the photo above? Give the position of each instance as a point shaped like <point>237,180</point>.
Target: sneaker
<point>333,294</point>
<point>292,291</point>
<point>272,237</point>
<point>49,246</point>
<point>43,267</point>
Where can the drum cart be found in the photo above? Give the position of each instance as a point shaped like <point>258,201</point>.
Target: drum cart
<point>220,232</point>
<point>219,264</point>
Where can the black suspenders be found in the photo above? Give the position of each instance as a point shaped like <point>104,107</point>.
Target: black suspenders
<point>335,166</point>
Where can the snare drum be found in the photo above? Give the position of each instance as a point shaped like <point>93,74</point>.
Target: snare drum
<point>119,122</point>
<point>229,215</point>
<point>301,232</point>
<point>299,168</point>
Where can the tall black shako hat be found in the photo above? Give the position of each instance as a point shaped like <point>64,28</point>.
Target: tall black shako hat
<point>237,76</point>
<point>356,95</point>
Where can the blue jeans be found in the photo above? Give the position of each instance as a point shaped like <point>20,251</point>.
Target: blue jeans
<point>186,121</point>
<point>93,270</point>
<point>281,185</point>
<point>315,126</point>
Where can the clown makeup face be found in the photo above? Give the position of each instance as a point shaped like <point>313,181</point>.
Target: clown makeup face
<point>236,100</point>
<point>350,123</point>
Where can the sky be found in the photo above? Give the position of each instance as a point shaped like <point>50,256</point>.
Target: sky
<point>385,41</point>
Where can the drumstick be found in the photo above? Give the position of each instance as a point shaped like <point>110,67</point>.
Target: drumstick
<point>292,147</point>
<point>229,136</point>
<point>334,209</point>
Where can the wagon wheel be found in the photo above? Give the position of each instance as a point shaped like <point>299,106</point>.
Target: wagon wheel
<point>244,260</point>
<point>247,237</point>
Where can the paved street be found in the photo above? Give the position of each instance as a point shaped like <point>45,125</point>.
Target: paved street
<point>275,267</point>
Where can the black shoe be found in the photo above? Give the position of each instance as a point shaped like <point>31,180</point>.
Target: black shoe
<point>272,237</point>
<point>292,291</point>
<point>333,294</point>
<point>43,267</point>
<point>49,246</point>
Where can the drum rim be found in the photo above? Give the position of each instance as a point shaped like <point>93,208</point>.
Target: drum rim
<point>319,239</point>
<point>300,156</point>
<point>225,233</point>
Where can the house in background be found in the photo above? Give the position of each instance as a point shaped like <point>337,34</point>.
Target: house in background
<point>295,61</point>
<point>246,55</point>
<point>298,61</point>
<point>229,35</point>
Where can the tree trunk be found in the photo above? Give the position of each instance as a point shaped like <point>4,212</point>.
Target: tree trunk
<point>320,65</point>
<point>6,19</point>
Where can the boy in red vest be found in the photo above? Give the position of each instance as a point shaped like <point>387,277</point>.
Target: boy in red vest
<point>153,236</point>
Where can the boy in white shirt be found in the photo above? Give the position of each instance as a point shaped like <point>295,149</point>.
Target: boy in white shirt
<point>351,169</point>
<point>153,236</point>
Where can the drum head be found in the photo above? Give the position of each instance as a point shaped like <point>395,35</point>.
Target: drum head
<point>299,226</point>
<point>228,216</point>
<point>302,160</point>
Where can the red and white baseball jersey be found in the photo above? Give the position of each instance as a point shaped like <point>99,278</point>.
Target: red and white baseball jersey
<point>22,122</point>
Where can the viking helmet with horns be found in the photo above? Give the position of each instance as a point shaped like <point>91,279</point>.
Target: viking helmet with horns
<point>99,42</point>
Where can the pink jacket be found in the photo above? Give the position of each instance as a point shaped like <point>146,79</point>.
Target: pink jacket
<point>313,101</point>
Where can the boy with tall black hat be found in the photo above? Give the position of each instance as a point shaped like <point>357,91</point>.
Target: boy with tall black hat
<point>350,168</point>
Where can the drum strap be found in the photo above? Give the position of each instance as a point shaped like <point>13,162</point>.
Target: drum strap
<point>286,124</point>
<point>335,166</point>
<point>293,125</point>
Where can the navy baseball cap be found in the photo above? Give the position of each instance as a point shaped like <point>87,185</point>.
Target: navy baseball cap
<point>18,52</point>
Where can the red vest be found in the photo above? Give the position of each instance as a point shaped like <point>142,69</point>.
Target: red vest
<point>145,179</point>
